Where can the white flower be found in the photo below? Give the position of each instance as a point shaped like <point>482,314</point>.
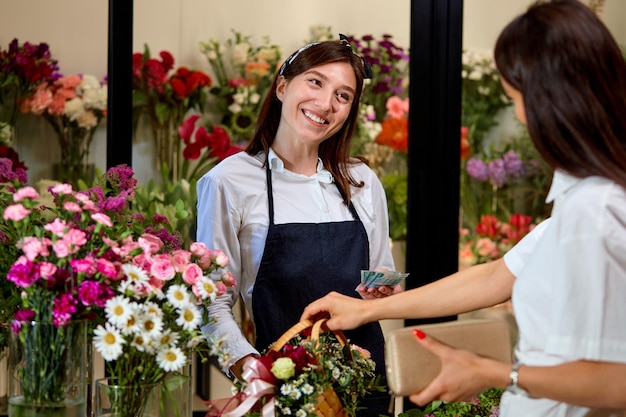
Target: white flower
<point>240,53</point>
<point>151,326</point>
<point>307,389</point>
<point>189,317</point>
<point>178,296</point>
<point>135,275</point>
<point>151,308</point>
<point>254,98</point>
<point>74,108</point>
<point>301,413</point>
<point>139,342</point>
<point>131,325</point>
<point>234,108</point>
<point>206,288</point>
<point>118,310</point>
<point>108,341</point>
<point>168,338</point>
<point>171,359</point>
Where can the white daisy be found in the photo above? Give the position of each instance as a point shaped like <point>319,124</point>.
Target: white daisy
<point>118,310</point>
<point>108,341</point>
<point>189,317</point>
<point>139,342</point>
<point>207,288</point>
<point>150,325</point>
<point>151,308</point>
<point>131,325</point>
<point>178,296</point>
<point>307,389</point>
<point>171,359</point>
<point>167,338</point>
<point>301,413</point>
<point>135,275</point>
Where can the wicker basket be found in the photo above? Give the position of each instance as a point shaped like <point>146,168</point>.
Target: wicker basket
<point>328,403</point>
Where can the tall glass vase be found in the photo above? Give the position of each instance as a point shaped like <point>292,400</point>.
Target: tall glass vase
<point>137,400</point>
<point>47,370</point>
<point>177,394</point>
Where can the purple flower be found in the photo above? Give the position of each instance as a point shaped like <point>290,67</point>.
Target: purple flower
<point>115,204</point>
<point>24,314</point>
<point>497,172</point>
<point>62,309</point>
<point>88,292</point>
<point>513,164</point>
<point>477,169</point>
<point>23,274</point>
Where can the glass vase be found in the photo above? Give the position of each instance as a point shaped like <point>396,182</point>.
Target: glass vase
<point>47,370</point>
<point>177,394</point>
<point>135,400</point>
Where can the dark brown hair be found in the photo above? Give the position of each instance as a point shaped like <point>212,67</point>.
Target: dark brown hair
<point>334,151</point>
<point>572,76</point>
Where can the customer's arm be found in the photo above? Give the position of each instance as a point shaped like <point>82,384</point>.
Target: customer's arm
<point>583,383</point>
<point>477,287</point>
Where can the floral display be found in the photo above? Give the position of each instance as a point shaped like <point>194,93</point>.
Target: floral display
<point>166,96</point>
<point>244,73</point>
<point>390,70</point>
<point>91,255</point>
<point>289,381</point>
<point>482,96</point>
<point>74,106</point>
<point>492,238</point>
<point>486,404</point>
<point>22,69</point>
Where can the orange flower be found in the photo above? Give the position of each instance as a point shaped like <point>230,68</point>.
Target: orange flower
<point>395,134</point>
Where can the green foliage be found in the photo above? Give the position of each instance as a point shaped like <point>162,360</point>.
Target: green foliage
<point>396,189</point>
<point>175,200</point>
<point>486,404</point>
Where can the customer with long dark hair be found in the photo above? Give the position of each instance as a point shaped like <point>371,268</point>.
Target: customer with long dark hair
<point>566,76</point>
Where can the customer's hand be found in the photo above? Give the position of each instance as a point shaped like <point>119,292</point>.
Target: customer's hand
<point>462,376</point>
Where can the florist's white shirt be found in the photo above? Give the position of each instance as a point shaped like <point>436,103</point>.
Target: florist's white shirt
<point>233,217</point>
<point>569,295</point>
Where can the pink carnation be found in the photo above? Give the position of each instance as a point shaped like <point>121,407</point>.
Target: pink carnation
<point>15,212</point>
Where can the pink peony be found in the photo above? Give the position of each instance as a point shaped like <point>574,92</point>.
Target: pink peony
<point>192,274</point>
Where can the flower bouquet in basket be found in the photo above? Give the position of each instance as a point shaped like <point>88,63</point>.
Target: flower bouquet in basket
<point>307,372</point>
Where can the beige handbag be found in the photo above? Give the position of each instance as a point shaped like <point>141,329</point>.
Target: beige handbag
<point>410,367</point>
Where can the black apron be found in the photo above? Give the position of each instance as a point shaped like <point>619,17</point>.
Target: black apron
<point>304,261</point>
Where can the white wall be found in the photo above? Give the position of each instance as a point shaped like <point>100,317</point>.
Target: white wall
<point>77,33</point>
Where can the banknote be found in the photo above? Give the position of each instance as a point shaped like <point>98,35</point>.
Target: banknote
<point>371,279</point>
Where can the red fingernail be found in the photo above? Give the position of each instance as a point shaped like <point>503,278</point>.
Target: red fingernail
<point>419,334</point>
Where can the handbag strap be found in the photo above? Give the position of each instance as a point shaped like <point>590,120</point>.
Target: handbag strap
<point>316,328</point>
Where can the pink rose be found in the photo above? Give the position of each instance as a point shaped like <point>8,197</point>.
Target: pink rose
<point>192,274</point>
<point>149,243</point>
<point>199,249</point>
<point>229,279</point>
<point>163,270</point>
<point>180,260</point>
<point>221,288</point>
<point>219,258</point>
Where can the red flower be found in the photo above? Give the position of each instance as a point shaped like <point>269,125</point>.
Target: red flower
<point>489,226</point>
<point>466,150</point>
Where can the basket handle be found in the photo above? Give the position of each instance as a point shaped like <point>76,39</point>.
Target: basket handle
<point>317,327</point>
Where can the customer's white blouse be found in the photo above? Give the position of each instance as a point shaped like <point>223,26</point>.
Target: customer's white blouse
<point>569,298</point>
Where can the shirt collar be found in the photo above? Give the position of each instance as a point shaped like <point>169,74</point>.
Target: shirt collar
<point>561,184</point>
<point>322,174</point>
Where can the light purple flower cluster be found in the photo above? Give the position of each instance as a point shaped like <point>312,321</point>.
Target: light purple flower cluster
<point>498,171</point>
